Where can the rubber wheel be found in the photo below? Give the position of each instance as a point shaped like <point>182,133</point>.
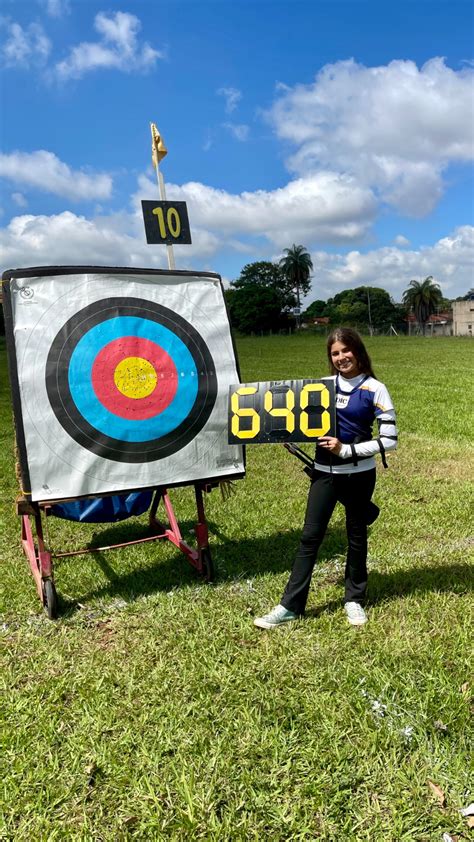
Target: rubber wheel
<point>207,565</point>
<point>50,599</point>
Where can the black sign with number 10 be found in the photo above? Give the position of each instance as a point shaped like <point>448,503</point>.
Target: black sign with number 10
<point>166,222</point>
<point>282,410</point>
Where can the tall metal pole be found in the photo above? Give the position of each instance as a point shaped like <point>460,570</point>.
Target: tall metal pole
<point>298,304</point>
<point>370,316</point>
<point>161,186</point>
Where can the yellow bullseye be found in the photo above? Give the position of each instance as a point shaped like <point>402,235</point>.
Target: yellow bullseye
<point>135,377</point>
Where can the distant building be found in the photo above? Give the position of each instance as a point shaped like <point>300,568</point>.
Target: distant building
<point>318,321</point>
<point>438,324</point>
<point>463,318</point>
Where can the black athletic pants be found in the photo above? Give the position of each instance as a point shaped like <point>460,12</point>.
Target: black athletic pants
<point>354,492</point>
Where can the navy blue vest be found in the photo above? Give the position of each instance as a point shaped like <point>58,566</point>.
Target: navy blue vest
<point>355,414</point>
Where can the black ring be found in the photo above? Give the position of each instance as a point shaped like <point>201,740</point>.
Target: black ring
<point>62,403</point>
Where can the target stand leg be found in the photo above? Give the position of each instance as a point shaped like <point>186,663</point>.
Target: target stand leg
<point>206,566</point>
<point>40,561</point>
<point>30,550</point>
<point>200,558</point>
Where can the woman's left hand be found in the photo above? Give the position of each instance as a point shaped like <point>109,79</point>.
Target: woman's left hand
<point>330,443</point>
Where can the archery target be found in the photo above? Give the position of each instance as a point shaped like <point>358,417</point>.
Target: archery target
<point>130,380</point>
<point>123,381</point>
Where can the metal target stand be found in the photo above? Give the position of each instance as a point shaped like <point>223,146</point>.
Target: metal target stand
<point>40,556</point>
<point>35,512</point>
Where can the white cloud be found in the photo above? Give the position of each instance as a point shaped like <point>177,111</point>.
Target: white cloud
<point>118,49</point>
<point>323,208</point>
<point>44,171</point>
<point>239,130</point>
<point>24,47</point>
<point>400,240</point>
<point>64,239</point>
<point>449,261</point>
<point>19,200</point>
<point>394,127</point>
<point>209,141</point>
<point>232,98</point>
<point>56,8</point>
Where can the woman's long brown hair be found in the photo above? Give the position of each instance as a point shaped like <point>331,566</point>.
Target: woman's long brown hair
<point>351,339</point>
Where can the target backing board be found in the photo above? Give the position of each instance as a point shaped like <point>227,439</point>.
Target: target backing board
<point>120,379</point>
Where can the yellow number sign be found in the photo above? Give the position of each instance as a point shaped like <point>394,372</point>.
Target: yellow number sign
<point>278,411</point>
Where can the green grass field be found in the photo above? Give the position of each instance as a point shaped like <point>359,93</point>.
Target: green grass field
<point>154,710</point>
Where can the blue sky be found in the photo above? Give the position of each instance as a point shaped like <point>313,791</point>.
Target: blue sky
<point>344,126</point>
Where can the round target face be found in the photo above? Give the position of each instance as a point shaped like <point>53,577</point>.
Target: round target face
<point>130,380</point>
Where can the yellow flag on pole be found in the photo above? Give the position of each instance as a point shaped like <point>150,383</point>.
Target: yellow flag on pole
<point>158,148</point>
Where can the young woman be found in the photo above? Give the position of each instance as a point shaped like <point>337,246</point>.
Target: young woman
<point>344,472</point>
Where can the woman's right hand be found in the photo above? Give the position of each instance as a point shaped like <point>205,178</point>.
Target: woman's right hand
<point>330,443</point>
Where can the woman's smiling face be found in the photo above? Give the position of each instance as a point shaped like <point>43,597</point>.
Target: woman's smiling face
<point>344,360</point>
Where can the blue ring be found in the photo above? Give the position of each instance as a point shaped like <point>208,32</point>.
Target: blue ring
<point>82,391</point>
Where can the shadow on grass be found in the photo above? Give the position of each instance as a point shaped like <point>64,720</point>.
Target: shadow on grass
<point>232,560</point>
<point>249,558</point>
<point>456,578</point>
<point>385,587</point>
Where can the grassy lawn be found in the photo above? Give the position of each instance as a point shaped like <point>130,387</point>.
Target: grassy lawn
<point>153,709</point>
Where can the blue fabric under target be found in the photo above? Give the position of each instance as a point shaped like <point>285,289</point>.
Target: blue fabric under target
<point>104,509</point>
<point>124,429</point>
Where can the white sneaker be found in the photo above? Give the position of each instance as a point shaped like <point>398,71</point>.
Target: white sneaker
<point>355,613</point>
<point>276,617</point>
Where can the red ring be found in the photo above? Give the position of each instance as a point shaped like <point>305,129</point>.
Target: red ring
<point>138,409</point>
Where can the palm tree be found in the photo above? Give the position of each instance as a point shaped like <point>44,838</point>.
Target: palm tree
<point>423,297</point>
<point>297,266</point>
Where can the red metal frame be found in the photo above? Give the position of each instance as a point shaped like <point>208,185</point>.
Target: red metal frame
<point>41,560</point>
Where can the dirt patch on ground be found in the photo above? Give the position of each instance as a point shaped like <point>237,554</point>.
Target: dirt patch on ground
<point>450,469</point>
<point>426,463</point>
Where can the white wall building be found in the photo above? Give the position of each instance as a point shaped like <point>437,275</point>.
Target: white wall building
<point>463,318</point>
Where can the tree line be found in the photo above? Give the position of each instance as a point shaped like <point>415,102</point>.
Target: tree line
<point>267,297</point>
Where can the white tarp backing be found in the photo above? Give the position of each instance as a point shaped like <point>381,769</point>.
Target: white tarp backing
<point>123,380</point>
